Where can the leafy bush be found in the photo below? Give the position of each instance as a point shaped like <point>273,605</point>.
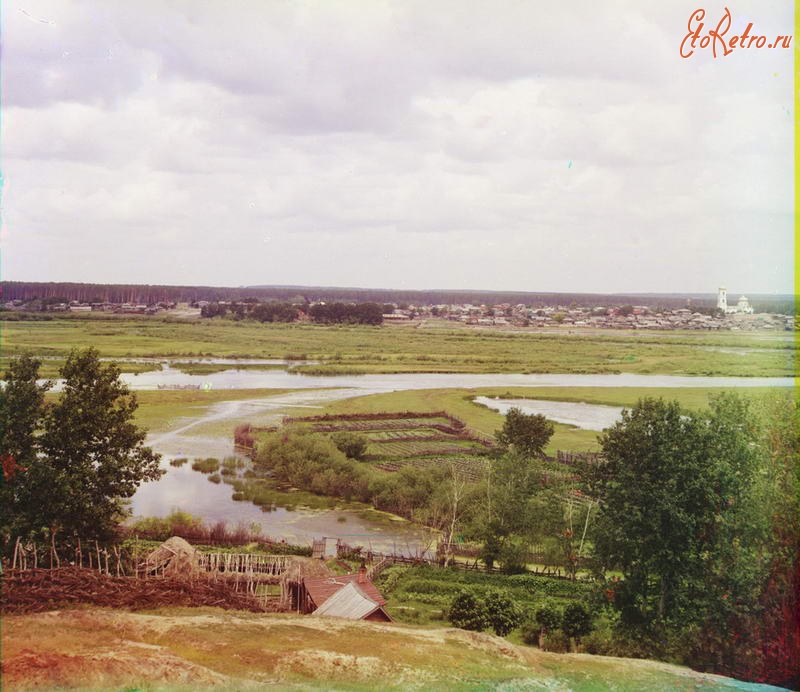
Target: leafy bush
<point>556,641</point>
<point>512,558</point>
<point>177,463</point>
<point>467,612</point>
<point>502,612</point>
<point>548,617</point>
<point>215,478</point>
<point>530,630</point>
<point>352,445</point>
<point>599,642</point>
<point>390,578</point>
<point>576,621</point>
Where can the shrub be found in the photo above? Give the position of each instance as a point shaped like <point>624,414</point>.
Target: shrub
<point>556,641</point>
<point>548,617</point>
<point>467,612</point>
<point>599,642</point>
<point>215,478</point>
<point>502,612</point>
<point>351,444</point>
<point>177,463</point>
<point>530,630</point>
<point>512,558</point>
<point>577,621</point>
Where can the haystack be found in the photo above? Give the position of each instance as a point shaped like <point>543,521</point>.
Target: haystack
<point>300,567</point>
<point>174,557</point>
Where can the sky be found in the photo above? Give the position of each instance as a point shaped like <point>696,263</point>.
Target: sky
<point>492,144</point>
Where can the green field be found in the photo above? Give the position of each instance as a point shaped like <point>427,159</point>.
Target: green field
<point>420,595</point>
<point>439,347</point>
<point>164,410</point>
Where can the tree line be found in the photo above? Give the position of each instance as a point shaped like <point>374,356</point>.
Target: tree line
<point>151,294</point>
<point>322,313</point>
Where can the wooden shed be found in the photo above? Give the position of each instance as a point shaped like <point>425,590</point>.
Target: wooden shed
<point>351,596</point>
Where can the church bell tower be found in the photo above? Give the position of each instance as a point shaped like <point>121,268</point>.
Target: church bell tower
<point>722,299</point>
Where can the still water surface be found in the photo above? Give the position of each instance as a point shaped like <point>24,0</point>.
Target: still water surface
<point>581,415</point>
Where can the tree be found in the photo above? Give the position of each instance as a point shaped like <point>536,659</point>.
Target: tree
<point>21,403</point>
<point>351,444</point>
<point>90,456</point>
<point>667,491</point>
<point>467,612</point>
<point>548,617</point>
<point>502,613</point>
<point>527,433</point>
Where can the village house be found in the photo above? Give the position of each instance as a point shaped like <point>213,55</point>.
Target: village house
<point>350,596</point>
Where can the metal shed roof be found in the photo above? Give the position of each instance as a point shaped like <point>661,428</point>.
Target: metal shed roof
<point>348,602</point>
<point>320,589</point>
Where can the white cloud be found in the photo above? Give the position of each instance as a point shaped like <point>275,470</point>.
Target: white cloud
<point>393,144</point>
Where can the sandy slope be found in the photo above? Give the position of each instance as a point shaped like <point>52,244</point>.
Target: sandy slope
<point>201,648</point>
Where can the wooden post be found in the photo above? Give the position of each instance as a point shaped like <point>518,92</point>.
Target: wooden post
<point>53,549</point>
<point>16,550</point>
<point>97,552</point>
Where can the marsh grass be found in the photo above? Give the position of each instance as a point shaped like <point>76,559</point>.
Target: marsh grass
<point>209,465</point>
<point>445,347</point>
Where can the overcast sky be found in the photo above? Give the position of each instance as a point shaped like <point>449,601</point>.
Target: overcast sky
<point>499,144</point>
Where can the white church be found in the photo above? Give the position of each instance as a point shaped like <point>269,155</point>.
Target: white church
<point>742,306</point>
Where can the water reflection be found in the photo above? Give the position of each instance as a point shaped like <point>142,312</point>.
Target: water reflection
<point>579,414</point>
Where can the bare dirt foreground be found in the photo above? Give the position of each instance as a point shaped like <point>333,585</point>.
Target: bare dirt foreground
<point>190,649</point>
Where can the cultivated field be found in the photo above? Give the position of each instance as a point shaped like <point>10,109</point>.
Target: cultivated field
<point>417,439</point>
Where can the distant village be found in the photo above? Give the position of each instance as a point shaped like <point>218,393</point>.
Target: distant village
<point>725,316</point>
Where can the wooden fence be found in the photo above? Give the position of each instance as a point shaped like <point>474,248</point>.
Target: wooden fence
<point>243,572</point>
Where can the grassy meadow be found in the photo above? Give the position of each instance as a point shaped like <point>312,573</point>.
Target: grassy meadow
<point>436,346</point>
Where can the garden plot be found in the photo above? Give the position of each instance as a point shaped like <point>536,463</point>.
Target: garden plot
<point>408,438</point>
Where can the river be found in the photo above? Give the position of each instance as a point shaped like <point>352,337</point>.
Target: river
<point>182,488</point>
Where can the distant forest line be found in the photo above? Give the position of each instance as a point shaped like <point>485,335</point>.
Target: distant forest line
<point>149,294</point>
